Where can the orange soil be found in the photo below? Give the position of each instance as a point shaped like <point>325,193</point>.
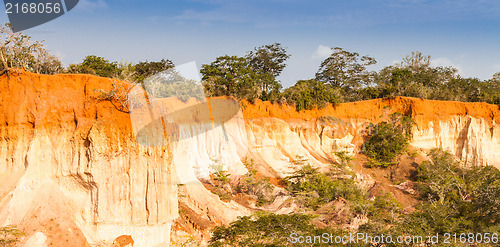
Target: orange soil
<point>48,100</point>
<point>377,109</point>
<point>28,98</point>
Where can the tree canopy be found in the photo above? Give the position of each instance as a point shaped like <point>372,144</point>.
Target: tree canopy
<point>231,76</point>
<point>345,69</point>
<point>269,62</point>
<point>17,50</point>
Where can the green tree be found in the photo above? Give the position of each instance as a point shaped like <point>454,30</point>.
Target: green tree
<point>255,185</point>
<point>231,76</point>
<point>146,69</point>
<point>494,91</point>
<point>171,83</point>
<point>307,94</point>
<point>313,188</point>
<point>17,50</point>
<point>266,229</point>
<point>345,69</point>
<point>269,62</point>
<point>455,198</point>
<point>415,77</point>
<point>96,65</point>
<point>496,79</point>
<point>388,139</point>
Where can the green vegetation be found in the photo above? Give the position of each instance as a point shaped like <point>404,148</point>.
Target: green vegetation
<point>308,94</point>
<point>313,189</point>
<point>345,158</point>
<point>146,69</point>
<point>231,76</point>
<point>9,236</point>
<point>96,66</point>
<point>220,178</point>
<point>344,76</point>
<point>249,77</point>
<point>266,229</point>
<point>347,72</point>
<point>17,50</point>
<point>456,198</point>
<point>453,198</point>
<point>219,173</point>
<point>268,61</point>
<point>255,185</point>
<point>386,140</point>
<point>171,83</point>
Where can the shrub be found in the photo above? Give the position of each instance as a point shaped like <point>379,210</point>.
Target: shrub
<point>118,96</point>
<point>218,172</point>
<point>17,50</point>
<point>345,158</point>
<point>313,188</point>
<point>266,229</point>
<point>309,94</point>
<point>386,140</point>
<point>95,65</point>
<point>254,185</point>
<point>456,198</point>
<point>146,69</point>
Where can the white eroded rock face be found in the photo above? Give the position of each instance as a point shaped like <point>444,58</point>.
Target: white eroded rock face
<point>109,193</point>
<point>277,143</point>
<point>475,141</point>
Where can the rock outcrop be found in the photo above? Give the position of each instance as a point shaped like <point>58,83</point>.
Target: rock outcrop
<point>279,133</point>
<point>65,153</point>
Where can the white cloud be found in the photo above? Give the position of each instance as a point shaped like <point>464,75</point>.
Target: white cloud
<point>322,52</point>
<point>89,6</point>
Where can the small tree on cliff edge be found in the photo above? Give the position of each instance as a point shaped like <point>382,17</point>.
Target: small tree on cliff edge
<point>17,50</point>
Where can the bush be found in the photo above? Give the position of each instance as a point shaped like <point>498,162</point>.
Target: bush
<point>386,140</point>
<point>146,69</point>
<point>118,96</point>
<point>171,83</point>
<point>310,94</point>
<point>220,179</point>
<point>254,185</point>
<point>218,173</point>
<point>95,65</point>
<point>314,189</point>
<point>232,76</point>
<point>267,229</point>
<point>17,50</point>
<point>456,199</point>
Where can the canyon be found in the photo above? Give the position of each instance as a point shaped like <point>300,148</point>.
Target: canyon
<point>74,174</point>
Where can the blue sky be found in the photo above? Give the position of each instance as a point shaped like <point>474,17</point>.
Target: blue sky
<point>461,33</point>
